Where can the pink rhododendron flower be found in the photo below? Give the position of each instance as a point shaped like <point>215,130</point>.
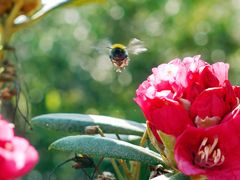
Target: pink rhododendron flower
<point>17,156</point>
<point>213,152</point>
<point>194,102</point>
<point>169,92</point>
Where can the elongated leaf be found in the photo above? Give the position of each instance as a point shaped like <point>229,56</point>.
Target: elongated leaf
<point>54,4</point>
<point>50,5</point>
<point>177,176</point>
<point>128,138</point>
<point>76,123</point>
<point>105,147</point>
<point>72,3</point>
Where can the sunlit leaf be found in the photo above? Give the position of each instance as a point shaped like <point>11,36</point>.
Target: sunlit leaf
<point>159,147</point>
<point>50,5</point>
<point>129,138</point>
<point>177,176</point>
<point>105,147</point>
<point>77,123</point>
<point>80,2</point>
<point>169,143</point>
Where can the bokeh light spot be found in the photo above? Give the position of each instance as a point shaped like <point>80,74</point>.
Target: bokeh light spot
<point>116,12</point>
<point>218,55</point>
<point>92,111</point>
<point>172,7</point>
<point>81,32</point>
<point>46,42</point>
<point>201,39</point>
<point>53,100</point>
<point>71,16</point>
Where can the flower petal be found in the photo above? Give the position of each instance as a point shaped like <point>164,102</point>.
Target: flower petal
<point>221,97</point>
<point>6,130</point>
<point>205,104</point>
<point>25,156</point>
<point>171,118</point>
<point>220,70</point>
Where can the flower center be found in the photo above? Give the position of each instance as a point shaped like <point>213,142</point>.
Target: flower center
<point>207,121</point>
<point>209,155</point>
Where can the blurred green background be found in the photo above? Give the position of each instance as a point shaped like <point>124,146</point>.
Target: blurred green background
<point>66,66</point>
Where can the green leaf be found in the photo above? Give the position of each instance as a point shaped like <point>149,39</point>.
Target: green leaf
<point>169,143</point>
<point>105,147</point>
<point>76,123</point>
<point>159,147</point>
<point>129,138</point>
<point>71,3</point>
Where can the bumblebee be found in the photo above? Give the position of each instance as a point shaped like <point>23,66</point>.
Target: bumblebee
<point>118,53</point>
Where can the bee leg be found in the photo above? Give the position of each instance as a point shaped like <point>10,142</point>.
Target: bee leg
<point>124,64</point>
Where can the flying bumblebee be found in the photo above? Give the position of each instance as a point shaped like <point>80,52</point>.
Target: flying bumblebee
<point>118,53</point>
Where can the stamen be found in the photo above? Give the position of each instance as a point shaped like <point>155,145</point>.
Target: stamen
<point>237,100</point>
<point>222,159</point>
<point>206,151</point>
<point>214,153</point>
<point>203,143</point>
<point>214,145</point>
<point>217,156</point>
<point>209,155</point>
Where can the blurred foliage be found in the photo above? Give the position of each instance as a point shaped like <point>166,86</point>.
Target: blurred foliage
<point>67,69</point>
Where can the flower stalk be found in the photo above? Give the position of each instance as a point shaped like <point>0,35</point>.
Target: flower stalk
<point>9,25</point>
<point>125,169</point>
<point>136,165</point>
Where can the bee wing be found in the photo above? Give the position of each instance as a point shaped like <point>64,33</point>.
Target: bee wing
<point>103,46</point>
<point>136,46</point>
